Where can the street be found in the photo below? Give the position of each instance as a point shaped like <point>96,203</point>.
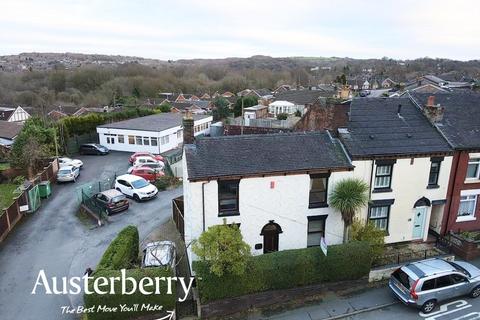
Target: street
<point>55,240</point>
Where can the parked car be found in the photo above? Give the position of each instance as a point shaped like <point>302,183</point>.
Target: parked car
<point>65,161</point>
<point>147,173</point>
<point>157,166</point>
<point>135,187</point>
<point>67,174</point>
<point>93,148</point>
<point>141,160</point>
<point>159,254</point>
<point>112,201</point>
<point>425,283</point>
<point>134,156</point>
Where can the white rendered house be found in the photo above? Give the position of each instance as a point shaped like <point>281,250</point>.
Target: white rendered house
<point>278,107</point>
<point>276,187</point>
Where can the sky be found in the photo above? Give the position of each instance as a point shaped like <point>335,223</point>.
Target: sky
<point>184,29</point>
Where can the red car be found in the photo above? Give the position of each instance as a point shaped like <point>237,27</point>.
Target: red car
<point>147,173</point>
<point>144,154</point>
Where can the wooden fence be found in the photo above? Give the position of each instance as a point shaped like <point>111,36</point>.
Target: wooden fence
<point>14,213</point>
<point>177,215</point>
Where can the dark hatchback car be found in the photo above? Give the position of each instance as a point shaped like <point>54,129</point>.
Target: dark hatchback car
<point>112,201</point>
<point>93,148</point>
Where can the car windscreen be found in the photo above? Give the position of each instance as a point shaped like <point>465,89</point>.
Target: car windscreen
<point>64,171</point>
<point>459,268</point>
<point>118,198</point>
<point>140,183</point>
<point>403,278</point>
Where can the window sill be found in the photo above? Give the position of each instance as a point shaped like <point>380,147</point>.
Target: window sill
<point>433,186</point>
<point>465,219</point>
<point>228,214</point>
<point>472,180</point>
<point>380,190</point>
<point>317,205</point>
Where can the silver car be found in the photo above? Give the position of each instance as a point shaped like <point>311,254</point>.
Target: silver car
<point>425,283</point>
<point>68,173</point>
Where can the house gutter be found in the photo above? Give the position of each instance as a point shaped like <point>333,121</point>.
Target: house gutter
<point>203,205</point>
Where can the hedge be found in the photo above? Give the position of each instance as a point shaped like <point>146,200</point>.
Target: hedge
<point>287,269</point>
<point>167,301</point>
<point>122,253</point>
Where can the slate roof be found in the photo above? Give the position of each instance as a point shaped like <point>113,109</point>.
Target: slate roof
<point>155,122</point>
<point>299,97</point>
<point>9,130</point>
<point>461,117</point>
<point>376,130</point>
<point>263,154</point>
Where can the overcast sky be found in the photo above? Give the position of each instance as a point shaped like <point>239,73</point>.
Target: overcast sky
<point>241,28</point>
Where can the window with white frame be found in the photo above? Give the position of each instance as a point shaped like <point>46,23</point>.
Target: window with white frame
<point>121,138</point>
<point>131,139</point>
<point>378,215</point>
<point>154,141</point>
<point>383,176</point>
<point>164,140</point>
<point>473,171</point>
<point>138,140</point>
<point>467,206</point>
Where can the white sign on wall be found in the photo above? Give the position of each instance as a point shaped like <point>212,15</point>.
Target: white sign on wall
<point>323,245</point>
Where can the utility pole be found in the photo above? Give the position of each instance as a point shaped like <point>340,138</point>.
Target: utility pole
<point>243,117</point>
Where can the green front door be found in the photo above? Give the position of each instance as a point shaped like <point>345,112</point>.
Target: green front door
<point>419,222</point>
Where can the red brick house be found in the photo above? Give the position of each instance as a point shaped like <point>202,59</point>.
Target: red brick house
<point>457,117</point>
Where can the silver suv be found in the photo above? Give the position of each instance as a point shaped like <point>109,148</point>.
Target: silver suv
<point>427,282</point>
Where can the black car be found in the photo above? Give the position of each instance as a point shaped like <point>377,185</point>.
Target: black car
<point>93,148</point>
<point>111,201</point>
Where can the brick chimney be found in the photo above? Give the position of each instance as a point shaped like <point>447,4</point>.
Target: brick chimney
<point>434,112</point>
<point>188,133</point>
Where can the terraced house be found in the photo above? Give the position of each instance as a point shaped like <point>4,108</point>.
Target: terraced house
<point>405,161</point>
<point>457,117</point>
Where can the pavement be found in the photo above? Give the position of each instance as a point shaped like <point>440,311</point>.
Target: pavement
<point>55,240</point>
<point>373,303</point>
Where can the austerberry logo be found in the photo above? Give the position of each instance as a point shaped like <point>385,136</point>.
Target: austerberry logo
<point>104,285</point>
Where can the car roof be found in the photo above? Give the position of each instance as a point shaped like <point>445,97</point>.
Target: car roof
<point>129,177</point>
<point>430,267</point>
<point>159,253</point>
<point>66,167</point>
<point>111,193</point>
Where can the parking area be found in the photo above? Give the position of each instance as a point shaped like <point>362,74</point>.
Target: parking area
<point>52,239</point>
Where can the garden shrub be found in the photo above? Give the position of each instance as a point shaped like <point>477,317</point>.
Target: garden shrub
<point>287,269</point>
<point>122,252</point>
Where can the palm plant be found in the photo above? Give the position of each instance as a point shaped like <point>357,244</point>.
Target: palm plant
<point>349,196</point>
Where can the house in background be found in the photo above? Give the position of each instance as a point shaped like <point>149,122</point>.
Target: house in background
<point>274,186</point>
<point>457,117</point>
<point>255,112</point>
<point>9,131</point>
<point>301,99</point>
<point>155,133</point>
<point>280,107</point>
<point>388,83</point>
<point>405,161</point>
<point>10,114</point>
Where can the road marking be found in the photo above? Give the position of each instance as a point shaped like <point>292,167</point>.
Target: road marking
<point>459,305</point>
<point>470,316</point>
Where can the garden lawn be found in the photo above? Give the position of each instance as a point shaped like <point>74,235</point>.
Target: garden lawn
<point>6,194</point>
<point>4,166</point>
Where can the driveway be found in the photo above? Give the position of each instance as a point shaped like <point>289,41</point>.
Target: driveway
<point>53,239</point>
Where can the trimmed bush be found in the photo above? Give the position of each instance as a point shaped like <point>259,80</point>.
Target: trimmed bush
<point>287,269</point>
<point>115,300</point>
<point>122,253</point>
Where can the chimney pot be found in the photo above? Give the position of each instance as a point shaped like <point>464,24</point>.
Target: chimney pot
<point>431,101</point>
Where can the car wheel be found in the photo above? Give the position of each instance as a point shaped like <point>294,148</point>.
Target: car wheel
<point>429,306</point>
<point>136,197</point>
<point>475,292</point>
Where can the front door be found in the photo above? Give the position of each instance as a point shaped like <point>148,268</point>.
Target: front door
<point>270,234</point>
<point>270,241</point>
<point>419,222</point>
